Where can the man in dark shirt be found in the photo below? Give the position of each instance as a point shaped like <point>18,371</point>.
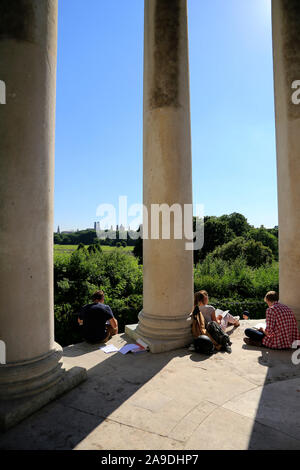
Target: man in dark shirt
<point>97,320</point>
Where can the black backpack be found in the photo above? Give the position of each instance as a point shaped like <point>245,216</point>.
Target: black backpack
<point>216,332</point>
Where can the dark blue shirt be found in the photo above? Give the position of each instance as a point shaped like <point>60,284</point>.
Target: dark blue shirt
<point>94,318</point>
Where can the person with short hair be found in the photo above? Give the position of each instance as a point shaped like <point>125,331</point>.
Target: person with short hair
<point>281,326</point>
<point>97,320</point>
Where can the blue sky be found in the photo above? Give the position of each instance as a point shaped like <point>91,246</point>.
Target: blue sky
<point>99,108</point>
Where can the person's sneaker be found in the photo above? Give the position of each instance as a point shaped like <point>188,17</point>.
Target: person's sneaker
<point>228,349</point>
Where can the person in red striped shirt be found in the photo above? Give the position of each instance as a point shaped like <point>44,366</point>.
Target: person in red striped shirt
<point>281,326</point>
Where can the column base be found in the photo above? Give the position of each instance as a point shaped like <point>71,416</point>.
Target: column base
<point>157,345</point>
<point>15,410</point>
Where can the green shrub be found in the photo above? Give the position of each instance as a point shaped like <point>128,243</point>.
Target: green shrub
<point>232,285</point>
<point>237,280</point>
<point>77,276</point>
<point>256,308</point>
<point>254,252</point>
<point>266,238</point>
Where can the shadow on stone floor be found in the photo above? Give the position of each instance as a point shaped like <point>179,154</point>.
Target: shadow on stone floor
<point>278,404</point>
<point>179,399</point>
<point>68,420</point>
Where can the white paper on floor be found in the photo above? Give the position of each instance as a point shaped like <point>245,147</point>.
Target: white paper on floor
<point>109,348</point>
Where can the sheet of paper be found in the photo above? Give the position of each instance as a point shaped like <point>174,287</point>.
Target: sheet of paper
<point>220,312</point>
<point>261,325</point>
<point>109,348</point>
<point>129,347</point>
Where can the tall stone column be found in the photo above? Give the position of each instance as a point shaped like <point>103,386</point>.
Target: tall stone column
<point>28,43</point>
<point>286,50</point>
<point>168,266</point>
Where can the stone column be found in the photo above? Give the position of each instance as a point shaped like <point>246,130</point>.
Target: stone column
<point>28,43</point>
<point>168,266</point>
<point>286,50</point>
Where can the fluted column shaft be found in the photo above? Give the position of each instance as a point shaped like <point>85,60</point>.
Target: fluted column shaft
<point>28,46</point>
<point>286,50</point>
<point>168,266</point>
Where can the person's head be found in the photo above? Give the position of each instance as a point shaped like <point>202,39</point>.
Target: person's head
<point>98,296</point>
<point>200,298</point>
<point>205,296</point>
<point>271,297</point>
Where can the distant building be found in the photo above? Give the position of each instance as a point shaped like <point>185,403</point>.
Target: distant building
<point>58,230</point>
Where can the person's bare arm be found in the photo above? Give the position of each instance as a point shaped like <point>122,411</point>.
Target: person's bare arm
<point>114,324</point>
<point>214,318</point>
<point>80,321</point>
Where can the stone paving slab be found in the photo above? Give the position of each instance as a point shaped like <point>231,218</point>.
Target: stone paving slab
<point>175,400</point>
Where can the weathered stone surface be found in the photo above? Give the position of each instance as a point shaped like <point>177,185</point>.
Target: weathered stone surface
<point>286,51</point>
<point>14,411</point>
<point>174,400</point>
<point>167,177</point>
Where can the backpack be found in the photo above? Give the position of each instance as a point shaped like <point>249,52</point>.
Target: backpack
<point>216,332</point>
<point>198,328</point>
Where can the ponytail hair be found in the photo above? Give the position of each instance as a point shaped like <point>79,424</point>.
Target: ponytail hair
<point>199,297</point>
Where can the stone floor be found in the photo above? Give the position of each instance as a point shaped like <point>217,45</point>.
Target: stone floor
<point>249,399</point>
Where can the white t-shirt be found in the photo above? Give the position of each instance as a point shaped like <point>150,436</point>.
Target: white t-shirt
<point>207,311</point>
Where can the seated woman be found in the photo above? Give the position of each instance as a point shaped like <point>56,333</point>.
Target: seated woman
<point>209,312</point>
<point>203,342</point>
<point>281,326</point>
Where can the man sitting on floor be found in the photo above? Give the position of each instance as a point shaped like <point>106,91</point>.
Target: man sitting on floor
<point>97,320</point>
<point>281,326</point>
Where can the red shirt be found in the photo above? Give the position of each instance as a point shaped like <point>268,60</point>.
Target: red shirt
<point>282,329</point>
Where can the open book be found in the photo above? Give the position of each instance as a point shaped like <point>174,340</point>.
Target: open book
<point>220,312</point>
<point>140,346</point>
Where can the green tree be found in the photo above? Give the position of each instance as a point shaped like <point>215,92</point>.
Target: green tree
<point>216,233</point>
<point>138,248</point>
<point>255,253</point>
<point>266,238</point>
<point>237,223</point>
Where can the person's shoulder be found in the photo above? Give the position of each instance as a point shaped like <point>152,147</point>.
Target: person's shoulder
<point>284,308</point>
<point>211,307</point>
<point>107,308</point>
<point>86,306</point>
<point>279,307</point>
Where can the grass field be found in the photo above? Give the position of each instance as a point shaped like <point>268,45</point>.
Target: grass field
<point>68,249</point>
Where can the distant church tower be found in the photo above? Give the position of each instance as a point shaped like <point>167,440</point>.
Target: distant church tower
<point>58,230</point>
